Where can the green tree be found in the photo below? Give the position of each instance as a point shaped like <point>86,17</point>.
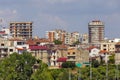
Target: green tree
<point>68,65</point>
<point>42,73</point>
<point>76,43</point>
<point>95,63</point>
<point>18,67</point>
<point>63,75</point>
<point>112,59</point>
<point>57,42</point>
<point>55,73</point>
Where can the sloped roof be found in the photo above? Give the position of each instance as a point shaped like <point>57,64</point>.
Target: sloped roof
<point>103,51</point>
<point>38,47</point>
<point>34,41</point>
<point>62,59</point>
<point>2,32</point>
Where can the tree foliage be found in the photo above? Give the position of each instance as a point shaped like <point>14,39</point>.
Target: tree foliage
<point>68,65</point>
<point>112,59</point>
<point>57,42</point>
<point>18,67</point>
<point>95,63</point>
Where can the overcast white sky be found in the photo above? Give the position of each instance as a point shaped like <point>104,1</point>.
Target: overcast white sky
<point>70,15</point>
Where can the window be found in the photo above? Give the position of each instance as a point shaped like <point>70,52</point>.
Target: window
<point>11,50</point>
<point>38,42</point>
<point>54,57</point>
<point>2,44</point>
<point>105,49</point>
<point>104,45</point>
<point>19,43</point>
<point>68,53</point>
<point>73,52</point>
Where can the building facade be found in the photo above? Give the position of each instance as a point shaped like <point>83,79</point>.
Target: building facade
<point>75,37</point>
<point>21,30</point>
<point>117,53</point>
<point>108,46</point>
<point>96,31</point>
<point>84,38</point>
<point>57,34</point>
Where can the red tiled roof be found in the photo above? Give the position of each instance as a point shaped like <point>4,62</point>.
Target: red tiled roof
<point>2,32</point>
<point>34,41</point>
<point>62,59</point>
<point>38,47</point>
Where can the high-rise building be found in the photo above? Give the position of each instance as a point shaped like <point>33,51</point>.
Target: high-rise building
<point>96,31</point>
<point>21,30</point>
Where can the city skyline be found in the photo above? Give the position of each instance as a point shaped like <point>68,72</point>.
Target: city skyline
<point>69,15</point>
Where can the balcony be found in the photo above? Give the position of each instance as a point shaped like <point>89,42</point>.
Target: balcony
<point>3,47</point>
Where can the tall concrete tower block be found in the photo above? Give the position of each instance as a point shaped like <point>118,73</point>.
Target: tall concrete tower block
<point>96,31</point>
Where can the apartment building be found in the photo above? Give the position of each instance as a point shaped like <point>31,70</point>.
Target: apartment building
<point>21,30</point>
<point>75,37</point>
<point>57,34</point>
<point>108,46</point>
<point>3,47</point>
<point>68,38</point>
<point>84,38</point>
<point>96,31</point>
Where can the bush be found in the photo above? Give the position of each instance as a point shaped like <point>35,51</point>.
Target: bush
<point>68,65</point>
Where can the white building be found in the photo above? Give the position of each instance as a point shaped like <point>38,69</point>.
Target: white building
<point>53,59</point>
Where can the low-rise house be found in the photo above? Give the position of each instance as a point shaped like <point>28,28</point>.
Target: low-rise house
<point>18,45</point>
<point>104,56</point>
<point>61,60</point>
<point>53,58</point>
<point>71,54</point>
<point>39,52</point>
<point>108,46</point>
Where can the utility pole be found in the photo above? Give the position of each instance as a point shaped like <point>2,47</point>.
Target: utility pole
<point>106,60</point>
<point>90,68</point>
<point>69,74</point>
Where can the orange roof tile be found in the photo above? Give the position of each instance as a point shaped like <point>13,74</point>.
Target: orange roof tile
<point>117,43</point>
<point>103,51</point>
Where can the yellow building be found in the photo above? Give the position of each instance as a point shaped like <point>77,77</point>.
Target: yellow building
<point>108,46</point>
